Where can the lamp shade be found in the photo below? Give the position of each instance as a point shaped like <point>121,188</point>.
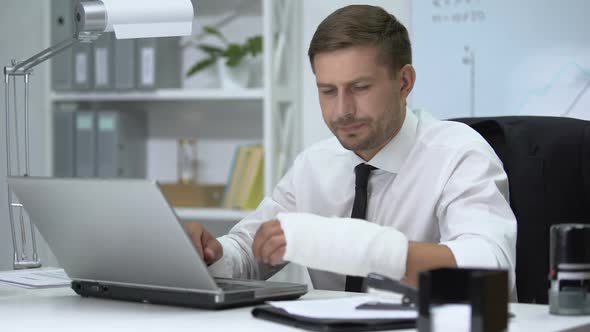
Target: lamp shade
<point>136,18</point>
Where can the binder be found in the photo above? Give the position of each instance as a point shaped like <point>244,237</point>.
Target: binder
<point>103,67</point>
<point>62,28</point>
<point>158,63</point>
<point>316,324</point>
<point>121,144</point>
<point>236,176</point>
<point>81,61</point>
<point>251,191</point>
<point>124,64</point>
<point>145,60</point>
<point>85,144</point>
<point>63,140</point>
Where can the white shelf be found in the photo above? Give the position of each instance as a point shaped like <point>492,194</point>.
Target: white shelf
<point>162,94</point>
<point>210,214</point>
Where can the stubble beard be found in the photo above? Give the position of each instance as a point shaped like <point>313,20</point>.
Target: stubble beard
<point>353,142</point>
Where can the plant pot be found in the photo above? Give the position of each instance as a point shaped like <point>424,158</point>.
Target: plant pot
<point>234,77</point>
<point>256,74</point>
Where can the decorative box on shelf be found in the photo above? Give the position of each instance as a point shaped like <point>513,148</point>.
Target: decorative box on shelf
<point>193,195</point>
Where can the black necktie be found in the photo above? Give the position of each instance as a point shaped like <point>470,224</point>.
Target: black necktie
<point>359,211</point>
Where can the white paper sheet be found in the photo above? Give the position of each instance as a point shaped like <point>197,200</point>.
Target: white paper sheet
<point>342,308</point>
<point>451,317</point>
<point>35,278</point>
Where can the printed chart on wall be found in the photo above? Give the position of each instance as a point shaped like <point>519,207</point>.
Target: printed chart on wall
<point>501,57</point>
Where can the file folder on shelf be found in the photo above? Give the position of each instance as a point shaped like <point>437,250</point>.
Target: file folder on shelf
<point>85,144</point>
<point>158,63</point>
<point>63,140</point>
<point>121,144</point>
<point>103,65</point>
<point>124,64</point>
<point>81,61</point>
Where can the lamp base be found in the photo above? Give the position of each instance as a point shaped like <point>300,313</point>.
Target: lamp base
<point>26,265</point>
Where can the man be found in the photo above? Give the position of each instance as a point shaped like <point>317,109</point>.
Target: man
<point>437,193</point>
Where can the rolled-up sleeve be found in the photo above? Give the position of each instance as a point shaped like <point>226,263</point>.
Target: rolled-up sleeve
<point>475,218</point>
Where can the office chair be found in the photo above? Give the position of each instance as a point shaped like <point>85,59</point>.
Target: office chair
<point>547,160</point>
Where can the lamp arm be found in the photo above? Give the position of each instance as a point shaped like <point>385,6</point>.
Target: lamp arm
<point>90,19</point>
<point>25,66</point>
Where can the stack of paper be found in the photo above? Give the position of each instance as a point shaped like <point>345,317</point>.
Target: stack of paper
<point>35,278</point>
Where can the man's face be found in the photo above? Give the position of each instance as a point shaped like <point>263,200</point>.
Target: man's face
<point>362,103</point>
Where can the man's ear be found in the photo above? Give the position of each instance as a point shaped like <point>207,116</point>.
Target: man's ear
<point>407,76</point>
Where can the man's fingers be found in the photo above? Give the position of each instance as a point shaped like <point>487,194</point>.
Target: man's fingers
<point>212,250</point>
<point>266,231</point>
<point>195,231</point>
<point>271,246</point>
<point>260,238</point>
<point>208,255</point>
<point>277,257</point>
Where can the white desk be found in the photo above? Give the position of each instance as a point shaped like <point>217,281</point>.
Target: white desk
<point>63,310</point>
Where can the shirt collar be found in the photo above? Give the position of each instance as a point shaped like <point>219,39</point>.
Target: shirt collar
<point>392,156</point>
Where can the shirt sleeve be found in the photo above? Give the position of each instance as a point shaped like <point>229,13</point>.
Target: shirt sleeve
<point>475,218</point>
<point>238,259</point>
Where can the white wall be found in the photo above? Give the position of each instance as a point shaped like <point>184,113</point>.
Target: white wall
<point>314,12</point>
<point>23,32</point>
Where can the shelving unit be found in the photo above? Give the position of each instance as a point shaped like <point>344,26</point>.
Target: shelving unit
<point>210,214</point>
<point>163,95</point>
<point>271,109</point>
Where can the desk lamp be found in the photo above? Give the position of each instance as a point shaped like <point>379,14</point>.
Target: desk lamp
<point>128,19</point>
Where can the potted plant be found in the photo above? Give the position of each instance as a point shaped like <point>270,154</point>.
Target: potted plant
<point>232,59</point>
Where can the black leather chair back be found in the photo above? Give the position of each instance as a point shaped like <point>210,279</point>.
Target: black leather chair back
<point>547,160</point>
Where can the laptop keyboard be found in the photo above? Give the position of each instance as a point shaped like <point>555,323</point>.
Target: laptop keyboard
<point>234,286</point>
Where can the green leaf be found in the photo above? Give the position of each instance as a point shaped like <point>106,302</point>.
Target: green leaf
<point>201,65</point>
<point>213,31</point>
<point>254,45</point>
<point>211,50</point>
<point>234,54</point>
<point>233,50</point>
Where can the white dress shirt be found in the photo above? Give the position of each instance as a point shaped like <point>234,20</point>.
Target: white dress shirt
<point>437,182</point>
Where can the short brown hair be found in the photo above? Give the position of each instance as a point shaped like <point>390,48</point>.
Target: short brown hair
<point>363,25</point>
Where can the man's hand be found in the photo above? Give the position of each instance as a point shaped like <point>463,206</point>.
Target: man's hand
<point>206,244</point>
<point>270,243</point>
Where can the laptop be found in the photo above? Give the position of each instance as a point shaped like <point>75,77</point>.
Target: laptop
<point>120,239</point>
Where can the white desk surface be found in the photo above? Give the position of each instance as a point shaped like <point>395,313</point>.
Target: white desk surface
<point>61,309</point>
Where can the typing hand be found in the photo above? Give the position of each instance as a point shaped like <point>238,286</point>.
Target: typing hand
<point>206,244</point>
<point>270,243</point>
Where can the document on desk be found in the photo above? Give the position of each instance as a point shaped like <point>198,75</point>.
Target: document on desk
<point>35,278</point>
<point>343,308</point>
